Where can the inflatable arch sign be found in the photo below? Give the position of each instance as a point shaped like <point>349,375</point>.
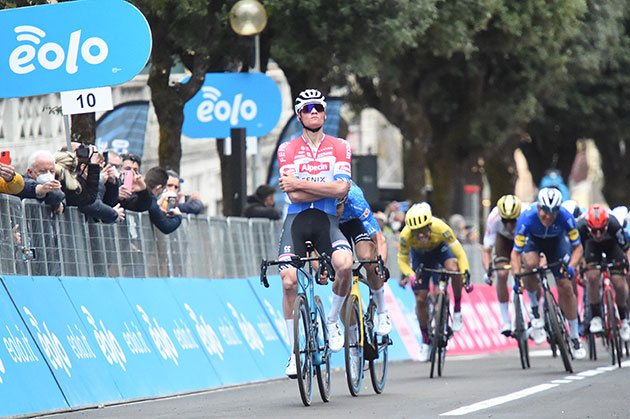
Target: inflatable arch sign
<point>70,46</point>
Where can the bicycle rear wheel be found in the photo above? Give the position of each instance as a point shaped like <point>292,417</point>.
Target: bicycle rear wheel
<point>436,336</point>
<point>302,348</point>
<point>352,321</point>
<point>520,331</point>
<point>559,334</point>
<point>378,365</point>
<point>323,353</point>
<point>445,335</point>
<point>612,328</point>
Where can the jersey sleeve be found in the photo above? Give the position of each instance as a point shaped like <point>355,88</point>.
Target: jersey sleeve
<point>286,158</point>
<point>570,227</point>
<point>615,230</point>
<point>490,236</point>
<point>364,212</point>
<point>520,236</point>
<point>456,247</point>
<point>343,160</point>
<point>403,252</point>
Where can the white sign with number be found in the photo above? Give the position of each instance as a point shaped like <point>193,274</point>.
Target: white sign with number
<point>86,100</point>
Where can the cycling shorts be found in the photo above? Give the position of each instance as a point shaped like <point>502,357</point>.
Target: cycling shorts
<point>593,254</point>
<point>433,258</point>
<point>354,232</point>
<point>312,225</point>
<point>554,248</point>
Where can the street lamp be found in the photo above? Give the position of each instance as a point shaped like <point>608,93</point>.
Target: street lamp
<point>247,18</point>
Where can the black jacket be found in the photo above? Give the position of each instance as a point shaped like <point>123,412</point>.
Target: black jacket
<point>257,209</point>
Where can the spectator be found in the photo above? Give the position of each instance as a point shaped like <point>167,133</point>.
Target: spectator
<point>10,181</point>
<point>137,199</point>
<point>40,182</point>
<point>192,203</point>
<point>262,204</point>
<point>166,222</point>
<point>105,207</point>
<point>553,179</point>
<point>465,233</point>
<point>78,172</point>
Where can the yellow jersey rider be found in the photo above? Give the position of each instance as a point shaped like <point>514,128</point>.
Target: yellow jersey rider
<point>428,241</point>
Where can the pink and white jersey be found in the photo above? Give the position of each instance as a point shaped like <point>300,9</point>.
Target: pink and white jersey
<point>330,162</point>
<point>495,226</point>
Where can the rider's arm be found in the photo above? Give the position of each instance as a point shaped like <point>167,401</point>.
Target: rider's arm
<point>486,257</point>
<point>381,245</point>
<point>301,190</point>
<point>403,253</point>
<point>449,238</point>
<point>516,260</point>
<point>576,255</point>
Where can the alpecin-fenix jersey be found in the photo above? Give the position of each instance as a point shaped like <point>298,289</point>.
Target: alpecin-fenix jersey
<point>330,162</point>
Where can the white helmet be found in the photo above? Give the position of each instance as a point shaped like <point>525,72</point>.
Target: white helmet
<point>307,97</point>
<point>549,199</point>
<point>620,213</point>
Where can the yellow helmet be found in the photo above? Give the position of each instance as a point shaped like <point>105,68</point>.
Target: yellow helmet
<point>418,216</point>
<point>509,207</point>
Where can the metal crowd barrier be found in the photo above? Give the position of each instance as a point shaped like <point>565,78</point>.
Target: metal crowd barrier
<point>35,242</point>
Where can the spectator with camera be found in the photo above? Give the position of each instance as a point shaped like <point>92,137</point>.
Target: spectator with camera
<point>190,204</point>
<point>105,207</point>
<point>10,181</point>
<point>166,218</point>
<point>133,194</point>
<point>78,172</point>
<point>40,182</point>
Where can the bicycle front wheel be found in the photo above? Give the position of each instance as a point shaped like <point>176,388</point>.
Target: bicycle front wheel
<point>612,332</point>
<point>353,345</point>
<point>322,351</point>
<point>559,334</point>
<point>445,335</point>
<point>520,331</point>
<point>378,365</point>
<point>302,348</point>
<point>438,330</point>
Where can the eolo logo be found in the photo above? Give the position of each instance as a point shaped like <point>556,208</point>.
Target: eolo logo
<point>223,110</point>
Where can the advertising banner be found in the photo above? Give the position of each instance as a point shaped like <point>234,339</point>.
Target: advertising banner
<point>168,327</point>
<point>70,350</point>
<point>217,329</point>
<point>233,100</point>
<point>70,46</point>
<point>23,368</point>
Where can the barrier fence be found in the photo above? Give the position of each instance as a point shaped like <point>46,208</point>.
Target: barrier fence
<point>35,242</point>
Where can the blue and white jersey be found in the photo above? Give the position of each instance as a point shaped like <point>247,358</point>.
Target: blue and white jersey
<point>529,225</point>
<point>357,207</point>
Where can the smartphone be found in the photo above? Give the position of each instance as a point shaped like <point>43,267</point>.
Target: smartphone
<point>5,157</point>
<point>171,203</point>
<point>128,179</point>
<point>106,157</point>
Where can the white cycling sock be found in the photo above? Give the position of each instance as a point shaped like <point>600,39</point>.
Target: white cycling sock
<point>335,309</point>
<point>379,299</point>
<point>573,325</point>
<point>289,323</point>
<point>505,312</point>
<point>532,298</point>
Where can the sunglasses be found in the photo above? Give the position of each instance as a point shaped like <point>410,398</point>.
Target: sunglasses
<point>548,209</point>
<point>309,108</point>
<point>507,221</point>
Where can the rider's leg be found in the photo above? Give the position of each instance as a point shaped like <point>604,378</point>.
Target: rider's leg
<point>289,292</point>
<point>422,312</point>
<point>594,289</point>
<point>621,293</point>
<point>342,264</point>
<point>568,304</point>
<point>366,249</point>
<point>456,281</point>
<point>532,285</point>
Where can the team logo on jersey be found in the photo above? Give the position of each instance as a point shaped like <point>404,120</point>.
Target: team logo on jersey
<point>315,167</point>
<point>365,214</point>
<point>344,167</point>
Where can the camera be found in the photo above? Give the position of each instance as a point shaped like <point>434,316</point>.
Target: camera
<point>82,152</point>
<point>171,203</point>
<point>28,253</point>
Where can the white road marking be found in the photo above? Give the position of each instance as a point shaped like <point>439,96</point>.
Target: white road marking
<point>464,410</point>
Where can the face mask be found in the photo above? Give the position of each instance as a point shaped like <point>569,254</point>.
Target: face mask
<point>45,177</point>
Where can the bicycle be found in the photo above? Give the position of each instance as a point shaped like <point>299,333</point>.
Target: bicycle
<point>591,339</point>
<point>309,328</point>
<point>612,321</point>
<point>521,329</point>
<point>368,346</point>
<point>555,323</point>
<point>441,330</point>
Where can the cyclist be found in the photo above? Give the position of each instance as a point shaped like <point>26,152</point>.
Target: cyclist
<point>499,235</point>
<point>601,233</point>
<point>546,227</point>
<point>359,226</point>
<point>314,173</point>
<point>429,241</point>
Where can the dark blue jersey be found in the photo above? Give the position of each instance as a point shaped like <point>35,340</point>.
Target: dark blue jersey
<point>529,225</point>
<point>357,207</point>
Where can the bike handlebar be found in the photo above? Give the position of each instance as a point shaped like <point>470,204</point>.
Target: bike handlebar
<point>540,269</point>
<point>295,261</point>
<point>468,286</point>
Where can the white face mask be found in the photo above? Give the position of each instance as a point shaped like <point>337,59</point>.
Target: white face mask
<point>45,177</point>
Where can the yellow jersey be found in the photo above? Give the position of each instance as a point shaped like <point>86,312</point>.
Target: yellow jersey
<point>440,233</point>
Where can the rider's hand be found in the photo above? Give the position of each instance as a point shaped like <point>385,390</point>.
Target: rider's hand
<point>570,272</point>
<point>467,284</point>
<point>487,277</point>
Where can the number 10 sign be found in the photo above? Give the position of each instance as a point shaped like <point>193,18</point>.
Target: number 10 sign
<point>86,100</point>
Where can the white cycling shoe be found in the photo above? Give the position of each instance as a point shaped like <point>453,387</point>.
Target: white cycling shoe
<point>624,332</point>
<point>538,332</point>
<point>458,322</point>
<point>506,329</point>
<point>425,353</point>
<point>384,324</point>
<point>596,325</point>
<point>335,336</point>
<point>291,370</point>
<point>578,349</point>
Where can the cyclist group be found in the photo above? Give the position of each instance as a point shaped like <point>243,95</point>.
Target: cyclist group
<point>329,211</point>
